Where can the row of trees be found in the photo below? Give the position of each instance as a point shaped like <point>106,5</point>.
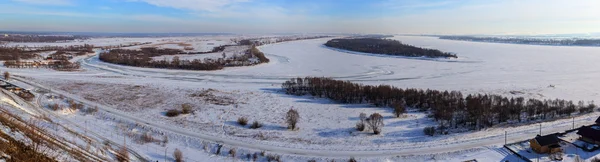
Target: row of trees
<point>448,108</point>
<point>143,58</point>
<point>387,47</point>
<point>39,38</point>
<point>24,52</point>
<point>558,42</point>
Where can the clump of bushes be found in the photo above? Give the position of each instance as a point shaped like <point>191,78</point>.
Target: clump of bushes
<point>172,113</point>
<point>243,121</point>
<point>255,125</point>
<point>186,108</point>
<point>276,158</point>
<point>352,160</point>
<point>429,131</point>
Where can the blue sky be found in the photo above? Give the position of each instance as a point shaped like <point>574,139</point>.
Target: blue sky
<point>304,16</point>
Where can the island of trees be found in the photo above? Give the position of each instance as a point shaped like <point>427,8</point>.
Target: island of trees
<point>451,109</point>
<point>532,41</point>
<point>143,58</point>
<point>386,47</point>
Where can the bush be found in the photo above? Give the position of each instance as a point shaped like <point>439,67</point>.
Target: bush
<point>256,125</point>
<point>292,117</point>
<point>147,138</point>
<point>186,108</point>
<point>271,158</point>
<point>178,155</point>
<point>242,121</point>
<point>429,131</point>
<point>352,160</point>
<point>360,126</point>
<point>375,122</point>
<point>232,152</point>
<point>173,113</point>
<point>54,107</point>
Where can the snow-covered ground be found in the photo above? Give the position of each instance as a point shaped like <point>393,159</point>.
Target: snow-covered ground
<point>326,127</point>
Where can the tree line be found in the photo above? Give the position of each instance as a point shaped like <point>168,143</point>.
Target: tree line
<point>39,38</point>
<point>143,58</point>
<point>23,52</point>
<point>538,41</point>
<point>386,47</point>
<point>451,109</point>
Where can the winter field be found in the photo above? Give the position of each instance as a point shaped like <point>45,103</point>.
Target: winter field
<point>133,101</point>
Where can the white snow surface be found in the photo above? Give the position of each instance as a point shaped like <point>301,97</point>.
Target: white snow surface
<point>506,69</point>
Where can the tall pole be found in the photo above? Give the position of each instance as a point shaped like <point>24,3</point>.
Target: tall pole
<point>540,129</point>
<point>166,153</point>
<point>573,122</point>
<point>505,132</point>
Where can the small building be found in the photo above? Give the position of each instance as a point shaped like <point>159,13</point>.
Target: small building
<point>590,134</point>
<point>545,144</point>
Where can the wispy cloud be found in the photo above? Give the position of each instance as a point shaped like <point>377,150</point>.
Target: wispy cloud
<point>194,5</point>
<point>47,2</point>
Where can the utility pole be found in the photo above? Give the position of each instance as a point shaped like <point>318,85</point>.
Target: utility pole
<point>505,135</point>
<point>166,153</point>
<point>573,122</point>
<point>540,129</point>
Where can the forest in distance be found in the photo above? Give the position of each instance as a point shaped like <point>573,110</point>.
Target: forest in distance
<point>451,109</point>
<point>533,41</point>
<point>386,47</point>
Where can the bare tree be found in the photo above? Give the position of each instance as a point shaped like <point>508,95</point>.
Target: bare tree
<point>376,122</point>
<point>178,155</point>
<point>399,108</point>
<point>292,118</point>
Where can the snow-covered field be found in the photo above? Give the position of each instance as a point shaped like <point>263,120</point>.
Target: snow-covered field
<point>326,128</point>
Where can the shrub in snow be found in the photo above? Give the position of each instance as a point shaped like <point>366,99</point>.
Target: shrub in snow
<point>429,131</point>
<point>352,160</point>
<point>172,113</point>
<point>54,107</point>
<point>360,126</point>
<point>256,125</point>
<point>6,75</point>
<point>292,117</point>
<point>276,158</point>
<point>186,108</point>
<point>255,157</point>
<point>147,138</point>
<point>178,155</point>
<point>375,122</point>
<point>242,121</point>
<point>232,152</point>
<point>312,160</point>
